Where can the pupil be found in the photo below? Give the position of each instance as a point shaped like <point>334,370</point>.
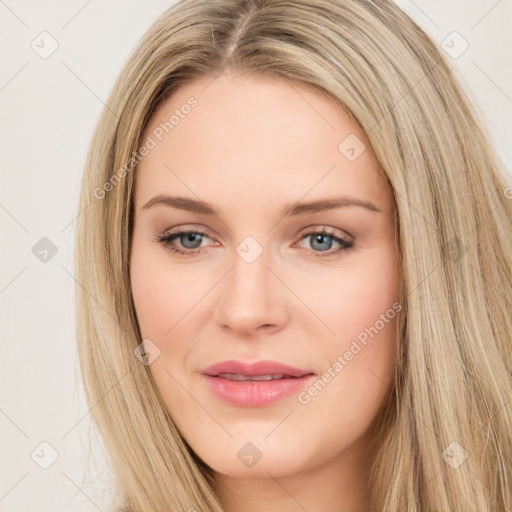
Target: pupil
<point>319,237</point>
<point>191,237</point>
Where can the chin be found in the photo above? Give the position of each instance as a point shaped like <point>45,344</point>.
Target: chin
<point>254,459</point>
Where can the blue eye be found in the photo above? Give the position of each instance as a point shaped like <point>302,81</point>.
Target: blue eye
<point>190,238</point>
<point>191,241</point>
<point>319,238</point>
<point>185,238</point>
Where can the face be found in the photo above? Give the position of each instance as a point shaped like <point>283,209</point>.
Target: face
<point>315,288</point>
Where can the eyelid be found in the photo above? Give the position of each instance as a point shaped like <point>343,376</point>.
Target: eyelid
<point>327,229</point>
<point>187,228</point>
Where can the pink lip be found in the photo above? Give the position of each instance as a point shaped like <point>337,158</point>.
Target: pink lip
<point>253,369</point>
<point>255,393</point>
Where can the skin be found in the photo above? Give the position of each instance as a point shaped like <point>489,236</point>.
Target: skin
<point>252,145</point>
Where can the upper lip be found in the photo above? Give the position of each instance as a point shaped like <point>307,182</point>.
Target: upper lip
<point>254,369</point>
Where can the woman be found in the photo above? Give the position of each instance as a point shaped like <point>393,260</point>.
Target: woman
<point>232,361</point>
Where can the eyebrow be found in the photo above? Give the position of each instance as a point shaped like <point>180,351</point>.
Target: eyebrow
<point>205,208</point>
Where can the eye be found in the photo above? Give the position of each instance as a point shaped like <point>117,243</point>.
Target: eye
<point>188,238</point>
<point>320,241</point>
<point>191,241</point>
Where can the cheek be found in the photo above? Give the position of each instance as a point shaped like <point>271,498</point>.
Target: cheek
<point>360,307</point>
<point>352,298</point>
<point>163,298</point>
<point>161,294</point>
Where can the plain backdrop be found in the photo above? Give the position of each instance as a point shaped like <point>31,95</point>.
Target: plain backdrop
<point>48,109</point>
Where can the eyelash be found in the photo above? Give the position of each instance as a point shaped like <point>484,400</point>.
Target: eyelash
<point>345,244</point>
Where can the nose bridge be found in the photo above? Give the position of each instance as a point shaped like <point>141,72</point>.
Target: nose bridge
<point>248,299</point>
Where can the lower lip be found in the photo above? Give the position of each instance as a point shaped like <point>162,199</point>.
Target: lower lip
<point>252,393</point>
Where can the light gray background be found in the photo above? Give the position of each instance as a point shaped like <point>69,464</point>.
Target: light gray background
<point>48,110</point>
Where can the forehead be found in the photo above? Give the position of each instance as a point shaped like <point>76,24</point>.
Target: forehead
<point>256,138</point>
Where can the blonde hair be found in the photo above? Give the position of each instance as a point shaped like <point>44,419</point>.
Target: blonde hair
<point>453,373</point>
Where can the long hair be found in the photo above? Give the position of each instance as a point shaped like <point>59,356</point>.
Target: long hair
<point>444,438</point>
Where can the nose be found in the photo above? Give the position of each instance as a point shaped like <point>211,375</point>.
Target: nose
<point>251,299</point>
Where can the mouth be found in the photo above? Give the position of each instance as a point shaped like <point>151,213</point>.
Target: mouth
<point>260,370</point>
<point>239,377</point>
<point>255,385</point>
